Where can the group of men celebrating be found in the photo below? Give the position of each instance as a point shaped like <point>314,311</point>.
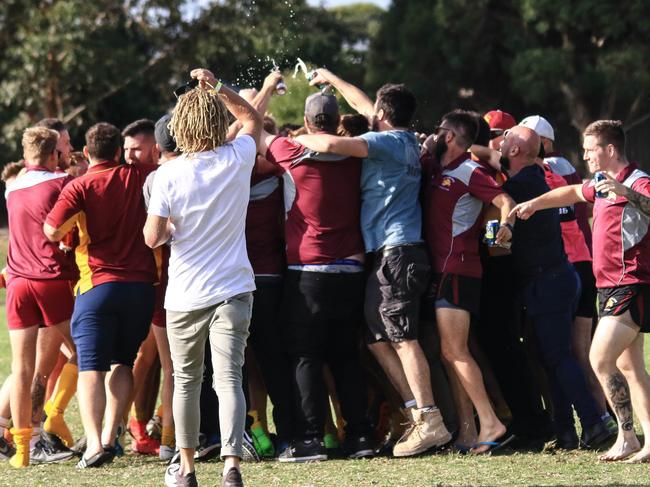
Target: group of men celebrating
<point>308,245</point>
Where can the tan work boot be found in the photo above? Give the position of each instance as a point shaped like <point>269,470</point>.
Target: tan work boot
<point>426,431</point>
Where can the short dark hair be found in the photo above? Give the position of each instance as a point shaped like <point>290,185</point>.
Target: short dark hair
<point>353,125</point>
<point>398,104</point>
<point>103,141</point>
<point>52,124</point>
<point>143,126</point>
<point>325,123</point>
<point>608,132</point>
<point>464,125</point>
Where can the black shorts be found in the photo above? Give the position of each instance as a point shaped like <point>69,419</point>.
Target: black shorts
<point>614,301</point>
<point>587,300</point>
<point>397,280</point>
<point>456,291</point>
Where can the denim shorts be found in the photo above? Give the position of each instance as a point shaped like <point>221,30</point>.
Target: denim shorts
<point>109,323</point>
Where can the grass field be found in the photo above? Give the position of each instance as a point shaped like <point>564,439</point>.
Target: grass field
<point>545,469</point>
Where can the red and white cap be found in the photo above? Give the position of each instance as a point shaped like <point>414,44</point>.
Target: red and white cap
<point>498,120</point>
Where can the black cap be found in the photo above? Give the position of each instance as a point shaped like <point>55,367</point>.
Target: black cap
<point>320,104</point>
<point>163,138</point>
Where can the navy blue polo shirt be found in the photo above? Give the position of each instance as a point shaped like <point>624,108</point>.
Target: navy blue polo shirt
<point>537,242</point>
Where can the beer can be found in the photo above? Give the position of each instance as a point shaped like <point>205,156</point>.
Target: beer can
<point>600,176</point>
<point>491,230</point>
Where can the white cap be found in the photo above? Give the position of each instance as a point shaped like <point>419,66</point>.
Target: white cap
<point>540,125</point>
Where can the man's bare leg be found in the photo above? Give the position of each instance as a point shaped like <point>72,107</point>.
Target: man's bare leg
<point>614,334</point>
<point>581,344</point>
<point>119,387</point>
<point>416,371</point>
<point>47,353</point>
<point>92,404</point>
<point>23,358</point>
<point>390,363</point>
<point>467,434</point>
<point>633,367</point>
<point>167,392</point>
<point>454,332</point>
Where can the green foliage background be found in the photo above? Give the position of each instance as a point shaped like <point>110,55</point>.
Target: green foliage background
<point>118,60</point>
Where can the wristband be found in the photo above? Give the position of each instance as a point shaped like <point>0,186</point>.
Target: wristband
<point>508,226</point>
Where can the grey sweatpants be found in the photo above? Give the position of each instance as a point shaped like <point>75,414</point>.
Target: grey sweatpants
<point>226,326</point>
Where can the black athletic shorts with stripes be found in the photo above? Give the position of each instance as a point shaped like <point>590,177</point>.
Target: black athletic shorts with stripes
<point>614,301</point>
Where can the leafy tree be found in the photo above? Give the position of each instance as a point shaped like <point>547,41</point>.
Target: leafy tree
<point>572,62</point>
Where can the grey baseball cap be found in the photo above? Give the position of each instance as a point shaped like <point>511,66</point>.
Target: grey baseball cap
<point>163,138</point>
<point>320,104</point>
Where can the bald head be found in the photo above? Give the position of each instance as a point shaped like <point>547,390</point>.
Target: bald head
<point>521,143</point>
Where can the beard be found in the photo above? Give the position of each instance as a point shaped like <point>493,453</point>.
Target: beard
<point>504,162</point>
<point>440,149</point>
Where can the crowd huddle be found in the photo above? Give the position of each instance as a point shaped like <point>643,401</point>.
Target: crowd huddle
<point>389,292</point>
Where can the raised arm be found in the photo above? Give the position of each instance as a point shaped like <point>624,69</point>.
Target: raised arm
<point>491,156</point>
<point>250,118</point>
<point>334,144</point>
<point>356,98</point>
<point>557,198</point>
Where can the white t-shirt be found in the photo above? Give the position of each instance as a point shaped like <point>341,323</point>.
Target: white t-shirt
<point>206,195</point>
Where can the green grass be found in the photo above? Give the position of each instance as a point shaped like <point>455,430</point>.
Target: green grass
<point>545,469</point>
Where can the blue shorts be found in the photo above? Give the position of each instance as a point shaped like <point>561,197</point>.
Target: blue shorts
<point>110,322</point>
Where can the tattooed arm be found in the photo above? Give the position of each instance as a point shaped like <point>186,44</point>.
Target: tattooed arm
<point>640,201</point>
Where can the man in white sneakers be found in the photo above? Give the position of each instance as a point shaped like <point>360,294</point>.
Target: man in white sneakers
<point>199,200</point>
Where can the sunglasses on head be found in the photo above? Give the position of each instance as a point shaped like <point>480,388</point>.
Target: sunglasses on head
<point>494,133</point>
<point>189,86</point>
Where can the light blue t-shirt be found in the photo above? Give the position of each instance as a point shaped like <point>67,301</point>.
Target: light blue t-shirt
<point>390,187</point>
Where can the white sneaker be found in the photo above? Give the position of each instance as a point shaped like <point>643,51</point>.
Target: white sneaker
<point>174,479</point>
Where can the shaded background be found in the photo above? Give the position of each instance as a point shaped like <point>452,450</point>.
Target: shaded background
<point>116,61</point>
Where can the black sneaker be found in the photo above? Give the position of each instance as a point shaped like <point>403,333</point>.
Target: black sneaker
<point>359,447</point>
<point>6,450</point>
<point>597,436</point>
<point>567,440</point>
<point>44,452</point>
<point>209,448</point>
<point>174,479</point>
<point>53,441</point>
<point>232,479</point>
<point>250,453</point>
<point>304,451</point>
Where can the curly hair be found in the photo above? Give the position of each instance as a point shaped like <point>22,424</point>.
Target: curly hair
<point>199,121</point>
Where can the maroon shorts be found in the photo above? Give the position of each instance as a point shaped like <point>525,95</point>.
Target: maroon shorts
<point>159,314</point>
<point>32,302</point>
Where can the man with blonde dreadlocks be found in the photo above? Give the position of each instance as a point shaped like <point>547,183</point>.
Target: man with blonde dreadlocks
<point>199,200</point>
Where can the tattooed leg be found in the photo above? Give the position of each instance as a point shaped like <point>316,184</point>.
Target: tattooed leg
<point>38,399</point>
<point>618,395</point>
<point>632,365</point>
<point>610,349</point>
